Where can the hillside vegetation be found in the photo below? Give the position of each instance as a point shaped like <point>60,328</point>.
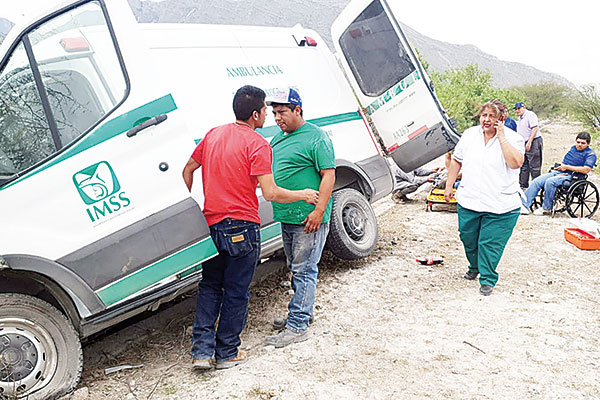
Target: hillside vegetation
<point>462,91</point>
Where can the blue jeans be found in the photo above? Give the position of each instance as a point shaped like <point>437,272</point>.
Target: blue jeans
<point>549,182</point>
<point>303,252</point>
<point>224,290</point>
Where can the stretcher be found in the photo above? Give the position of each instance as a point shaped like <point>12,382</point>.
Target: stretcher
<point>436,196</point>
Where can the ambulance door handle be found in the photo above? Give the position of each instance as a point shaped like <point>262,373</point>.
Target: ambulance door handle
<point>146,124</point>
<point>411,123</point>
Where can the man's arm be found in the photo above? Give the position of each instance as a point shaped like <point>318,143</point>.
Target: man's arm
<point>583,170</point>
<point>531,137</point>
<point>313,220</point>
<point>188,172</point>
<point>272,192</point>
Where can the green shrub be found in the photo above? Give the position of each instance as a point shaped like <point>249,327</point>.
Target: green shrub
<point>547,99</point>
<point>462,91</point>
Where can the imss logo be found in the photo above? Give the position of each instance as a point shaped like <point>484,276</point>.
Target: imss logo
<point>99,188</point>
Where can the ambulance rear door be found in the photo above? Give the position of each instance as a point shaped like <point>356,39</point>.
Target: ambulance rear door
<point>390,84</point>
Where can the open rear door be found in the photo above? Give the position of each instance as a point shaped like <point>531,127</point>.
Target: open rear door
<point>391,85</point>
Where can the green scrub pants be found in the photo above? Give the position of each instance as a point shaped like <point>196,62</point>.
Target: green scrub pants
<point>484,236</point>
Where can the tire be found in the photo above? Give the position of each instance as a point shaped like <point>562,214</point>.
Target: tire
<point>40,351</point>
<point>353,226</point>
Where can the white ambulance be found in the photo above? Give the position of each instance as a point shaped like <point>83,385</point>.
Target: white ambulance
<point>99,114</point>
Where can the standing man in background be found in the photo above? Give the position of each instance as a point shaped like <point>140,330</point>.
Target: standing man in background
<point>528,127</point>
<point>234,159</point>
<point>302,157</point>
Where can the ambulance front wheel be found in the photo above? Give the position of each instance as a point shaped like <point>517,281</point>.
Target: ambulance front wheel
<point>40,351</point>
<point>353,226</point>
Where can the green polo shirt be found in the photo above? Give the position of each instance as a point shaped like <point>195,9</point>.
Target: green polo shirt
<point>298,158</point>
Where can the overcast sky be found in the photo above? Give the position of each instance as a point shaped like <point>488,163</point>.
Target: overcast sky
<point>555,36</point>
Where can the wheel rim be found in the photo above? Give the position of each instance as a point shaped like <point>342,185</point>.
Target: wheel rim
<point>354,221</point>
<point>28,356</point>
<point>584,200</point>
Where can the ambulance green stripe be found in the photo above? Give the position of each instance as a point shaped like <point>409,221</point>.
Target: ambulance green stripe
<point>180,262</point>
<point>108,130</point>
<point>271,131</point>
<point>393,92</point>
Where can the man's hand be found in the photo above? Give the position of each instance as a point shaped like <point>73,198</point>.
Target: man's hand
<point>528,145</point>
<point>312,223</point>
<point>562,167</point>
<point>310,196</point>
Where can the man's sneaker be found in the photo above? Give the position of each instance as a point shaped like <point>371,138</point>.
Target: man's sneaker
<point>525,210</point>
<point>486,290</point>
<point>239,359</point>
<point>541,211</point>
<point>286,337</point>
<point>201,365</point>
<point>470,276</point>
<point>279,323</point>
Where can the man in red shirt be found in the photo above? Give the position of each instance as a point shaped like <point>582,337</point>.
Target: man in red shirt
<point>234,159</point>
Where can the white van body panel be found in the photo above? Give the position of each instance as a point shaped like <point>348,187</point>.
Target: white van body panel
<point>208,86</point>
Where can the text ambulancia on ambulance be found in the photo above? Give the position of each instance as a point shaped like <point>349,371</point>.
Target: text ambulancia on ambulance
<point>99,189</point>
<point>98,116</point>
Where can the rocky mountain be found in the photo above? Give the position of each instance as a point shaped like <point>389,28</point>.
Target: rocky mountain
<point>319,15</point>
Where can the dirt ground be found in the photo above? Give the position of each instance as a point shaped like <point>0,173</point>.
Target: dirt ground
<point>388,328</point>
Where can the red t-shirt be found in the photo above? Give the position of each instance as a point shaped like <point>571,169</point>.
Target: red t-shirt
<point>231,157</point>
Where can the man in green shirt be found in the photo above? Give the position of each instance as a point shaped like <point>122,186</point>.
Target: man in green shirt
<point>303,157</point>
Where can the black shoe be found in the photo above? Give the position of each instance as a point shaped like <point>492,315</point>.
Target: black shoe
<point>470,276</point>
<point>486,290</point>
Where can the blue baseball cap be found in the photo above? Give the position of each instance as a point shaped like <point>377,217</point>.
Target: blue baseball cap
<point>284,96</point>
<point>519,105</point>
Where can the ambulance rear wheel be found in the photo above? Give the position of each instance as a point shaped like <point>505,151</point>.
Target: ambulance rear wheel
<point>353,226</point>
<point>40,352</point>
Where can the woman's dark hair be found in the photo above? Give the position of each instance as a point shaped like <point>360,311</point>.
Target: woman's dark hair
<point>585,136</point>
<point>247,100</point>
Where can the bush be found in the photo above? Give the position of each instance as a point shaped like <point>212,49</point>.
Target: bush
<point>462,91</point>
<point>547,99</point>
<point>585,106</point>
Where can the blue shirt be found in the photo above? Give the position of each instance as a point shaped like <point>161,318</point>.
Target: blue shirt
<point>576,158</point>
<point>511,123</point>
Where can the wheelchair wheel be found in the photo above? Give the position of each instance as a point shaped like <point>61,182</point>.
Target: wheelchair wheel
<point>537,200</point>
<point>582,199</point>
<point>559,204</point>
<point>560,200</point>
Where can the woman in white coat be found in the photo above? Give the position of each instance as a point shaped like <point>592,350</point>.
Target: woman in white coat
<point>489,156</point>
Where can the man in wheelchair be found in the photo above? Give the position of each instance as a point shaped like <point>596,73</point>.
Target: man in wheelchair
<point>577,163</point>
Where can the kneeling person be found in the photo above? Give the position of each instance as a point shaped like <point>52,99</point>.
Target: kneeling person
<point>302,157</point>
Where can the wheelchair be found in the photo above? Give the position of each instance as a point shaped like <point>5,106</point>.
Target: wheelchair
<point>577,196</point>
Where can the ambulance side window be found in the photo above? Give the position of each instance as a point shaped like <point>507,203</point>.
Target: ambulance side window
<point>374,51</point>
<point>25,136</point>
<point>61,80</point>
